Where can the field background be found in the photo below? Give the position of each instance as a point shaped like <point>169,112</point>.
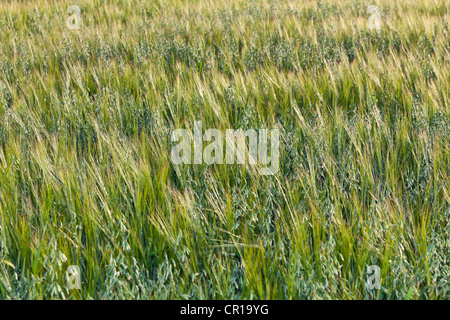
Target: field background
<point>85,171</point>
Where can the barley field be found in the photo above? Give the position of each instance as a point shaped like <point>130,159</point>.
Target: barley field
<point>87,180</point>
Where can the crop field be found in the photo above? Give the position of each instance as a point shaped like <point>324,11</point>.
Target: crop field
<point>358,203</point>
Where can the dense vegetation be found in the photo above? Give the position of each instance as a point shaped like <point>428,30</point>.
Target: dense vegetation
<point>86,177</point>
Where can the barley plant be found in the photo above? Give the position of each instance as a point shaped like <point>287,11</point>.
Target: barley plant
<point>86,179</point>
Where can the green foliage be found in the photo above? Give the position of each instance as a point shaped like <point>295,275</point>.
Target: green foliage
<point>85,171</point>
